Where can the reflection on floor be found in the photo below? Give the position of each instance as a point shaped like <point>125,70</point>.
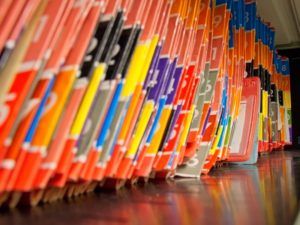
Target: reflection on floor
<point>267,193</point>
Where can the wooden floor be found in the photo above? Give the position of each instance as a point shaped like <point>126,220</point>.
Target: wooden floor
<point>266,193</point>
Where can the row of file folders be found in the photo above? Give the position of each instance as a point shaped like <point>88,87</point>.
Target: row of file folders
<point>96,93</point>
